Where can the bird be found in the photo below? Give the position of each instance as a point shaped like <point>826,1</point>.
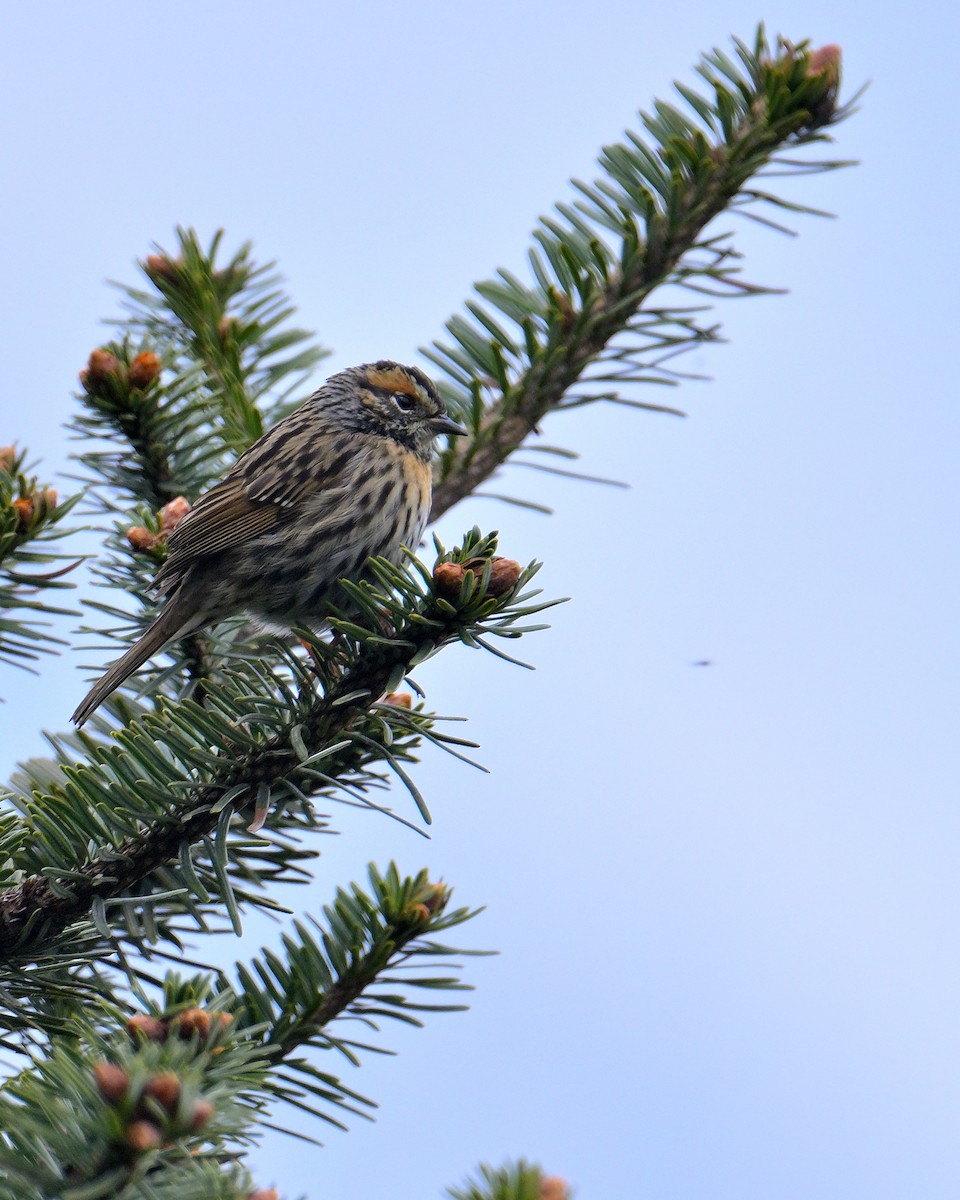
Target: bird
<point>343,478</point>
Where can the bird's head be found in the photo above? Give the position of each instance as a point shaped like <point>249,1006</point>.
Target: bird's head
<point>395,401</point>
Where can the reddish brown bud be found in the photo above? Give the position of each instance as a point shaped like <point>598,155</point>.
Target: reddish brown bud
<point>140,538</point>
<point>144,369</point>
<point>227,327</point>
<point>399,699</point>
<point>447,577</point>
<point>37,505</point>
<point>143,1135</point>
<point>158,266</point>
<point>112,1081</point>
<point>417,912</point>
<point>203,1110</point>
<point>165,1088</point>
<point>265,1194</point>
<point>45,501</point>
<point>101,365</point>
<point>824,64</point>
<point>8,456</point>
<point>24,511</point>
<point>825,58</point>
<point>146,1028</point>
<point>436,898</point>
<point>173,513</point>
<point>552,1187</point>
<point>191,1021</point>
<point>504,573</point>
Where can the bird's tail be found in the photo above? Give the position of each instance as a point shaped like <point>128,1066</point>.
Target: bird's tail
<point>170,624</point>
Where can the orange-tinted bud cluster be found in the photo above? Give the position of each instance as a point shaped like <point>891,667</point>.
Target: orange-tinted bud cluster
<point>165,1088</point>
<point>200,1114</point>
<point>144,1027</point>
<point>448,576</point>
<point>158,266</point>
<point>192,1021</point>
<point>107,377</point>
<point>33,508</point>
<point>101,366</point>
<point>173,513</point>
<point>825,62</point>
<point>437,897</point>
<point>140,538</point>
<point>8,458</point>
<point>144,369</point>
<point>170,517</point>
<point>552,1187</point>
<point>154,1113</point>
<point>427,904</point>
<point>821,67</point>
<point>183,1025</point>
<point>504,574</point>
<point>143,1136</point>
<point>112,1081</point>
<point>227,328</point>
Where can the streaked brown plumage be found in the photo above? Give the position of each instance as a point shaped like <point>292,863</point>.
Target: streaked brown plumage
<point>344,478</point>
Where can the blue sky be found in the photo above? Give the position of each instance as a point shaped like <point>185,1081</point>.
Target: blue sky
<point>726,898</point>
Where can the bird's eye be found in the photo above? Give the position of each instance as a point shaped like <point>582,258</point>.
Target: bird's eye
<point>404,401</point>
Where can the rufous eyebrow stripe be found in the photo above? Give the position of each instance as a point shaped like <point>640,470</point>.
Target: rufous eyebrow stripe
<point>393,380</point>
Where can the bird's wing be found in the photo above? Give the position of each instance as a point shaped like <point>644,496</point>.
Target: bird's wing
<point>224,516</point>
<point>299,458</point>
<point>294,461</point>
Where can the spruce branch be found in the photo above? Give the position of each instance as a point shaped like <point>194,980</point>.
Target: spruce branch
<point>361,962</point>
<point>170,1093</point>
<point>113,1112</point>
<point>206,359</point>
<point>586,321</point>
<point>231,322</point>
<point>125,401</point>
<point>164,818</point>
<point>155,823</point>
<point>31,517</point>
<point>517,1181</point>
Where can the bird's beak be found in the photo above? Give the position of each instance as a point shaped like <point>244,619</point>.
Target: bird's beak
<point>445,424</point>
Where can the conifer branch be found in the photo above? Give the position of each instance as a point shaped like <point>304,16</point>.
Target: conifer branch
<point>362,961</point>
<point>206,360</point>
<point>517,1181</point>
<point>637,229</point>
<point>31,517</point>
<point>165,816</point>
<point>153,1092</point>
<point>245,753</point>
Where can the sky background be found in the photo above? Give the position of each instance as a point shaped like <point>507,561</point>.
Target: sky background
<point>726,898</point>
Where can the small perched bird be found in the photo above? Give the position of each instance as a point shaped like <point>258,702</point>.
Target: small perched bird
<point>344,478</point>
